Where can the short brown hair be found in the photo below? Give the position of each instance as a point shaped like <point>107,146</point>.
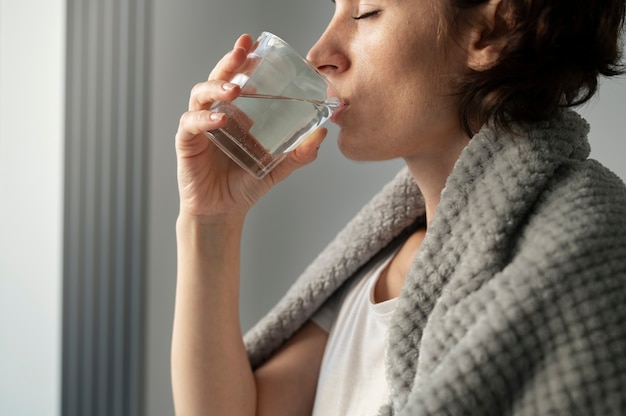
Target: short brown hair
<point>553,54</point>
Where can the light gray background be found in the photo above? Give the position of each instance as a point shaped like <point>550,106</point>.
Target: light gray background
<point>291,224</point>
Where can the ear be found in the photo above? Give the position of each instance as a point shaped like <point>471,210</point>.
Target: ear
<point>484,36</point>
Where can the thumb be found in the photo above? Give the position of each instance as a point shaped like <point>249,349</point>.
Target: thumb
<point>301,156</point>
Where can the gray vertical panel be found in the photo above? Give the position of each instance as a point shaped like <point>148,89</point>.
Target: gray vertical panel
<point>106,195</point>
<point>105,184</point>
<point>122,219</point>
<point>140,196</point>
<point>71,251</point>
<point>89,239</point>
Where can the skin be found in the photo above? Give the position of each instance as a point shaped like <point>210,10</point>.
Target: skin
<point>384,58</point>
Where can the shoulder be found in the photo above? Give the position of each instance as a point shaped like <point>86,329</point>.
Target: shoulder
<point>572,247</point>
<point>582,201</point>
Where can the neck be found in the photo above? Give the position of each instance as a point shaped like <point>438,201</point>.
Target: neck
<point>431,172</point>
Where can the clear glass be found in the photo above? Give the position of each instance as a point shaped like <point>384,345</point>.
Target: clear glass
<point>283,99</point>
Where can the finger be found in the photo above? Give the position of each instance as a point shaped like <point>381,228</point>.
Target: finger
<point>245,41</point>
<point>227,67</point>
<point>303,155</point>
<point>192,127</point>
<point>205,93</point>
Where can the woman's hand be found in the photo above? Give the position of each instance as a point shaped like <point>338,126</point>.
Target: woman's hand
<point>210,184</point>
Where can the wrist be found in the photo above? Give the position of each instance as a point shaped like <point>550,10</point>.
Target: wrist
<point>218,221</point>
<point>208,250</point>
<point>217,233</point>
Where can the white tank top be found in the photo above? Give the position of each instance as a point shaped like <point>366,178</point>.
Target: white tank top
<point>352,375</point>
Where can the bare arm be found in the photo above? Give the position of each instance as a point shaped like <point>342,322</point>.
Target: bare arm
<point>286,383</point>
<point>210,370</point>
<point>211,373</point>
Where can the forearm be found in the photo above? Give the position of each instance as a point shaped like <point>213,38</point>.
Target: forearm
<point>210,369</point>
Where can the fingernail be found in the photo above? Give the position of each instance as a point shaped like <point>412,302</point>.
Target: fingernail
<point>227,86</point>
<point>216,116</point>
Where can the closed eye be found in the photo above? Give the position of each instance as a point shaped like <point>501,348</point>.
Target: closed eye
<point>366,15</point>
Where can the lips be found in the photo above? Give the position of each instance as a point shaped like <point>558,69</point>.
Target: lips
<point>340,111</point>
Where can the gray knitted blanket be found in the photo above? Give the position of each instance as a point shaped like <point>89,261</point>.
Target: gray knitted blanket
<point>516,301</point>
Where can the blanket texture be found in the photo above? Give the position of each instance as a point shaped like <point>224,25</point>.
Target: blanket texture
<point>515,303</point>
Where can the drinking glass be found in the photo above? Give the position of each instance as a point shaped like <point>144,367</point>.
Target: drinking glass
<point>283,99</point>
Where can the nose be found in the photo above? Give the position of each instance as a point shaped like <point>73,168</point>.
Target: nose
<point>328,54</point>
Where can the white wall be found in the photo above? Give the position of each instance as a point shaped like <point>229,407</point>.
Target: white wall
<point>32,58</point>
<point>607,115</point>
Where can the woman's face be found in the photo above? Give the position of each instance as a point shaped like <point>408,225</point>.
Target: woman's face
<point>385,59</point>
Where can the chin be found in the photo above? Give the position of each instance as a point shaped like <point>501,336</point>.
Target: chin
<point>357,148</point>
<point>349,148</point>
<point>360,154</point>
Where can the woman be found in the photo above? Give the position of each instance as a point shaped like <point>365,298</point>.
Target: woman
<point>489,277</point>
